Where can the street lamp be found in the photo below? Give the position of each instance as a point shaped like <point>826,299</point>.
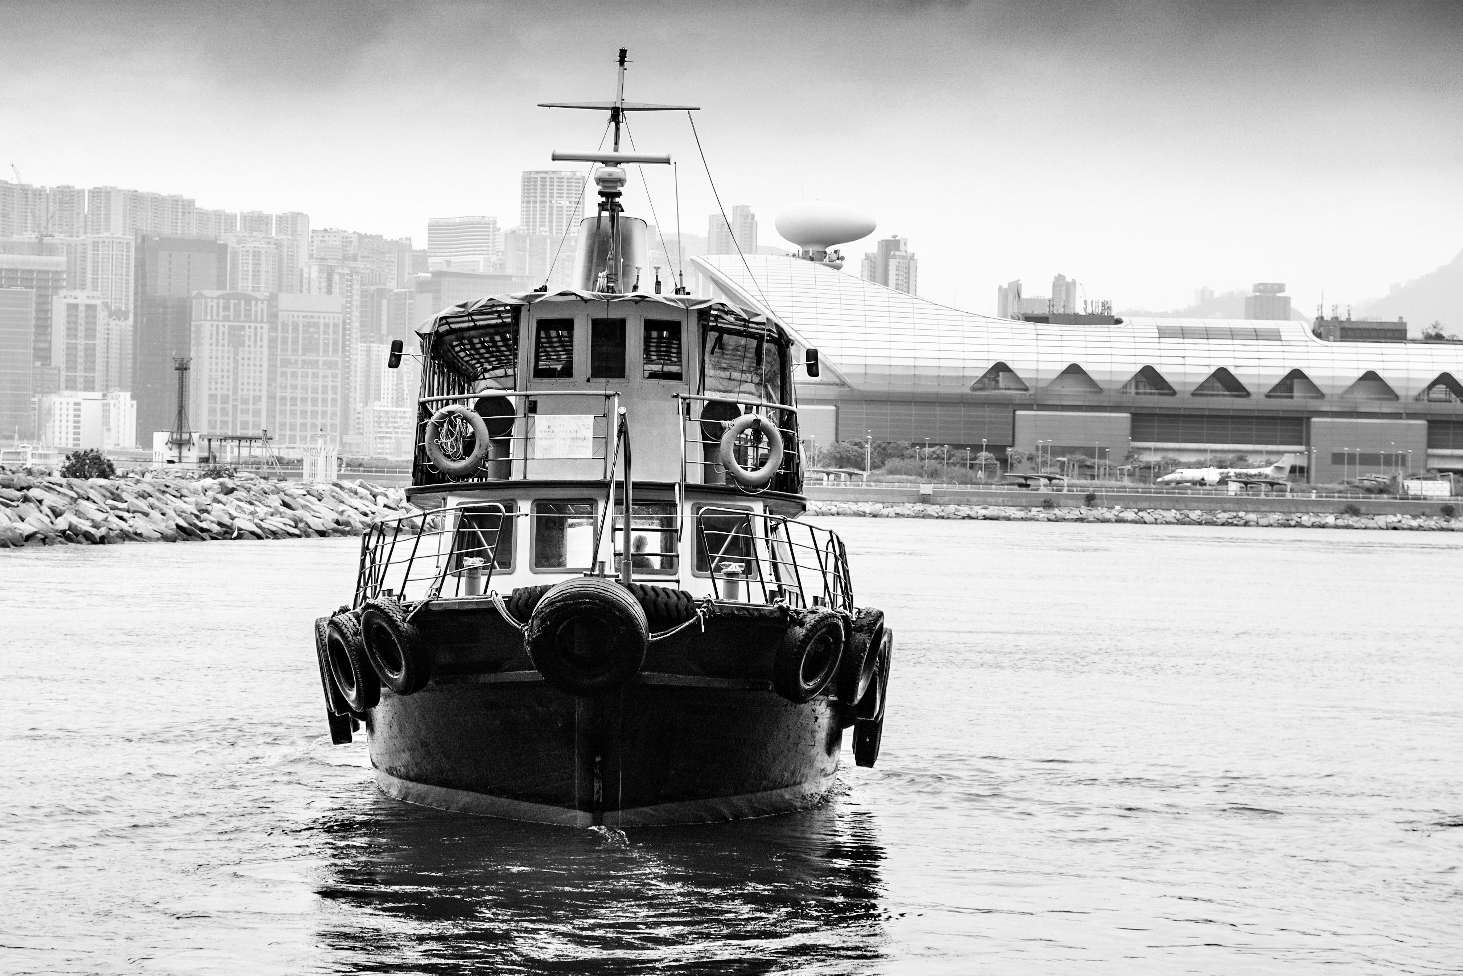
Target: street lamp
<point>868,453</point>
<point>927,458</point>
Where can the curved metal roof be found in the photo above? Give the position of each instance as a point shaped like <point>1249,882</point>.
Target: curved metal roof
<point>880,340</point>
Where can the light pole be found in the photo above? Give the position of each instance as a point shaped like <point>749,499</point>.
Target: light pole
<point>868,453</point>
<point>1409,464</point>
<point>927,458</point>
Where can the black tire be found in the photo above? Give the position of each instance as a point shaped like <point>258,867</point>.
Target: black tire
<point>664,606</point>
<point>337,712</point>
<point>861,656</point>
<point>807,659</point>
<point>522,601</point>
<point>352,673</point>
<point>398,655</point>
<point>587,636</point>
<point>868,727</point>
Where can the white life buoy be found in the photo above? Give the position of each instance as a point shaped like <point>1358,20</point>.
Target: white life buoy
<point>457,467</point>
<point>760,477</point>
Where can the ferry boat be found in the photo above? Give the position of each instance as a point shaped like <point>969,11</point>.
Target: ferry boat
<point>519,647</point>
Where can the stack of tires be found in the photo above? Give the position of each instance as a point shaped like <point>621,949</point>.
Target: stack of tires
<point>360,653</point>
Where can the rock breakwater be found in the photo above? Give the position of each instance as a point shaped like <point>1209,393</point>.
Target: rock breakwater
<point>1148,516</point>
<point>46,511</point>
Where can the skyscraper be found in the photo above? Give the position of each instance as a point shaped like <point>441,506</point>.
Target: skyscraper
<point>551,201</point>
<point>464,243</point>
<point>892,265</point>
<point>739,232</point>
<point>45,276</point>
<point>1064,295</point>
<point>80,333</point>
<point>256,223</point>
<point>306,344</point>
<point>214,224</point>
<point>254,263</point>
<point>169,271</point>
<point>230,374</point>
<point>17,342</point>
<point>1268,303</point>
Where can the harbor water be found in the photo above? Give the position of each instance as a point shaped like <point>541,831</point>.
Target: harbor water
<point>1109,749</point>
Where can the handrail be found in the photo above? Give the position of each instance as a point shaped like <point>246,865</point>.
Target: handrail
<point>779,552</point>
<point>702,469</point>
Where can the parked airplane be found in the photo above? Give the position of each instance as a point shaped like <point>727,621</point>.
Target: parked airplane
<point>1212,476</point>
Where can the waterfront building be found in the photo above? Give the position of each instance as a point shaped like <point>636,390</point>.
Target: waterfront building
<point>550,201</point>
<point>1337,329</point>
<point>306,339</point>
<point>17,341</point>
<point>898,368</point>
<point>169,271</point>
<point>230,370</point>
<point>72,420</point>
<point>45,276</point>
<point>1268,303</point>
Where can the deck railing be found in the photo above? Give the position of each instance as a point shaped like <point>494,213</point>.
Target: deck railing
<point>704,419</point>
<point>448,551</point>
<point>753,557</point>
<point>519,445</point>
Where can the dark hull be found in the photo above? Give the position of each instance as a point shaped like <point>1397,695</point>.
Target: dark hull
<point>674,746</point>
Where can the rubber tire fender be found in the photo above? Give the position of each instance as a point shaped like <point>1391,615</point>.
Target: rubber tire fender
<point>352,673</point>
<point>400,657</point>
<point>587,636</point>
<point>465,466</point>
<point>868,728</point>
<point>861,657</point>
<point>762,476</point>
<point>807,659</point>
<point>337,712</point>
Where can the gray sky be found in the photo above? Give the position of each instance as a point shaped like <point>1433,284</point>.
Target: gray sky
<point>1145,148</point>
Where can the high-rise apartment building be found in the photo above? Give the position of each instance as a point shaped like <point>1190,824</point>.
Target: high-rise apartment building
<point>169,271</point>
<point>464,243</point>
<point>109,270</point>
<point>550,201</point>
<point>293,227</point>
<point>45,276</point>
<point>306,364</point>
<point>254,263</point>
<point>1268,303</point>
<point>230,374</point>
<point>738,232</point>
<point>66,211</point>
<point>74,419</point>
<point>23,209</point>
<point>892,265</point>
<point>17,342</point>
<point>1064,296</point>
<point>256,223</point>
<point>212,225</point>
<point>82,341</point>
<point>110,210</point>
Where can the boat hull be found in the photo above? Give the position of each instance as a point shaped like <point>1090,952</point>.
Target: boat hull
<point>668,748</point>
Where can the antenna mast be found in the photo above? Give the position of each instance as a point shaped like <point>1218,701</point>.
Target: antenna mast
<point>181,436</point>
<point>617,114</point>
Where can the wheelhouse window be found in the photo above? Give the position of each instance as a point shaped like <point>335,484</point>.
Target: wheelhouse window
<point>563,535</point>
<point>661,350</point>
<point>747,366</point>
<point>485,531</point>
<point>723,538</point>
<point>652,538</point>
<point>553,349</point>
<point>606,348</point>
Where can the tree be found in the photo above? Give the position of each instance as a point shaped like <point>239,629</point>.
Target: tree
<point>1435,333</point>
<point>89,463</point>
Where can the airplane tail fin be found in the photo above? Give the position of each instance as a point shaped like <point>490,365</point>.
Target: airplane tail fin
<point>1281,469</point>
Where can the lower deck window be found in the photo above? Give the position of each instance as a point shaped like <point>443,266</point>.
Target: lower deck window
<point>652,538</point>
<point>563,535</point>
<point>482,532</point>
<point>723,538</point>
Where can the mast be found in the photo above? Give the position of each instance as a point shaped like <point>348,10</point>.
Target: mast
<point>617,114</point>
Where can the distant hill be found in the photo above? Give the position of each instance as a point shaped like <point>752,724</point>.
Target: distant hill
<point>1435,297</point>
<point>1230,305</point>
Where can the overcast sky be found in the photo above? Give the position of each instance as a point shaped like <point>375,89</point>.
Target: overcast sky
<point>1145,148</point>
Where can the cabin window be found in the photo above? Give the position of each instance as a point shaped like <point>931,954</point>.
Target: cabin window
<point>652,538</point>
<point>724,537</point>
<point>606,348</point>
<point>748,367</point>
<point>479,532</point>
<point>553,349</point>
<point>563,535</point>
<point>662,350</point>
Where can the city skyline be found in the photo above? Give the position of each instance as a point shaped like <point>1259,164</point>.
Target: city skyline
<point>1218,145</point>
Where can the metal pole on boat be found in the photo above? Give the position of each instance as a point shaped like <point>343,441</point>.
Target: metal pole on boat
<point>626,558</point>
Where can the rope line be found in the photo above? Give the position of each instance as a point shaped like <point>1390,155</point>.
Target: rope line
<point>648,198</point>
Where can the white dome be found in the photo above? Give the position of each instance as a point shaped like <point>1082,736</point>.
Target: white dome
<point>814,225</point>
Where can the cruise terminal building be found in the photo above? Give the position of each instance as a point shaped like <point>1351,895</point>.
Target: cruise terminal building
<point>900,368</point>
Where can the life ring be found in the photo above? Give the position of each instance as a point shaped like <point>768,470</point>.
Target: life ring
<point>463,466</point>
<point>587,636</point>
<point>355,680</point>
<point>762,476</point>
<point>398,655</point>
<point>807,659</point>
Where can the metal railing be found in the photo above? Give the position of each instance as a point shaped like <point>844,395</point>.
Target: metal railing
<point>772,556</point>
<point>1299,492</point>
<point>418,557</point>
<point>514,443</point>
<point>704,419</point>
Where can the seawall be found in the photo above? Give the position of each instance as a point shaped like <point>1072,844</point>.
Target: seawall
<point>1149,516</point>
<point>45,511</point>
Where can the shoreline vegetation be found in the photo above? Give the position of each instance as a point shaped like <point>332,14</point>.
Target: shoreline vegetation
<point>1136,516</point>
